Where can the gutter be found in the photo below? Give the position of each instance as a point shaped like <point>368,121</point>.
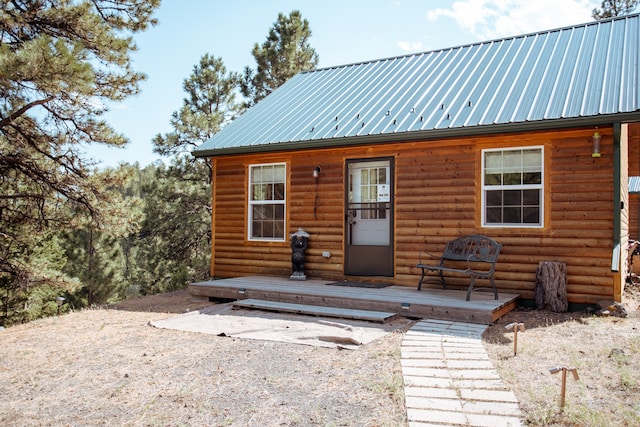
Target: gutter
<point>423,135</point>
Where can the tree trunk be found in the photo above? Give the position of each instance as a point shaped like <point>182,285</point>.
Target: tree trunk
<point>551,286</point>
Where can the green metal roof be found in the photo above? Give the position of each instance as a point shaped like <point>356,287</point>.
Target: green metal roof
<point>581,75</point>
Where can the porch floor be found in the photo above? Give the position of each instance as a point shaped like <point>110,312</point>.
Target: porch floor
<point>429,303</point>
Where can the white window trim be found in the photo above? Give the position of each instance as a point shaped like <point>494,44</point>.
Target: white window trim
<point>250,204</point>
<point>540,186</point>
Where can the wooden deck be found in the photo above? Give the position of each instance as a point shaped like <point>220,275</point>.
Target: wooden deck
<point>408,302</point>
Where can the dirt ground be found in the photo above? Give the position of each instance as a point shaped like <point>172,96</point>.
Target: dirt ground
<point>605,351</point>
<point>108,367</point>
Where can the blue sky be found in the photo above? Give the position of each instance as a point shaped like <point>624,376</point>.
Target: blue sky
<point>343,32</point>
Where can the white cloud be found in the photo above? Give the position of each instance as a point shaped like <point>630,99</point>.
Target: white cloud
<point>488,19</point>
<point>120,107</point>
<point>410,46</point>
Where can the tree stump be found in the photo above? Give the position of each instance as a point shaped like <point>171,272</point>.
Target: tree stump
<point>551,286</point>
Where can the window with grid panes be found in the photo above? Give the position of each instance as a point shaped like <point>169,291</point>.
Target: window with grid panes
<point>513,187</point>
<point>267,201</point>
<point>370,181</point>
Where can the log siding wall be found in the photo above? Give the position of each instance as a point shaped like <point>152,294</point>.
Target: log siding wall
<point>437,198</point>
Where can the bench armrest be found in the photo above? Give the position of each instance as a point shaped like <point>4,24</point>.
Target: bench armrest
<point>489,258</point>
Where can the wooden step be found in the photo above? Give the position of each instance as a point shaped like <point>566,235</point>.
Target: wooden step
<point>315,310</point>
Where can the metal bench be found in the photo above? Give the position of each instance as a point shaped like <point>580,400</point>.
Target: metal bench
<point>474,255</point>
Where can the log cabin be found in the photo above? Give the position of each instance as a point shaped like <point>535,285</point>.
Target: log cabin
<point>529,140</point>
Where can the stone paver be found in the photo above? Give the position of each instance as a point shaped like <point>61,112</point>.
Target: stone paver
<point>450,380</point>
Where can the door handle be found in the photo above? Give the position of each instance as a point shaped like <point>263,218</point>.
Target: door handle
<point>352,217</point>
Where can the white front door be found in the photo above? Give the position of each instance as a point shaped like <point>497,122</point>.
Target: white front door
<point>369,249</point>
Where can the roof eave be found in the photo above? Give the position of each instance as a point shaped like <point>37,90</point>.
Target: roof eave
<point>424,135</point>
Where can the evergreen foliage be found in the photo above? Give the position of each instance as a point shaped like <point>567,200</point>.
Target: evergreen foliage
<point>60,63</point>
<point>284,53</point>
<point>95,236</point>
<point>95,252</point>
<point>177,229</point>
<point>210,104</point>
<point>611,8</point>
<point>174,246</point>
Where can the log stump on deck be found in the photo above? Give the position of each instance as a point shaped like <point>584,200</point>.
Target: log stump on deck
<point>551,286</point>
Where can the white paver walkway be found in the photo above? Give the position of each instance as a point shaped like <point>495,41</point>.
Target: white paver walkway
<point>450,381</point>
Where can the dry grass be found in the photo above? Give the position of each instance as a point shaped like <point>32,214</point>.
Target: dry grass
<point>604,350</point>
<point>108,367</point>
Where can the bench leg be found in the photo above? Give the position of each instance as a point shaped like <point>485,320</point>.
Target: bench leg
<point>473,281</point>
<point>424,272</point>
<point>493,285</point>
<point>421,279</point>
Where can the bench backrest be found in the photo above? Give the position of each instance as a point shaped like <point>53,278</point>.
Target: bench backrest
<point>474,248</point>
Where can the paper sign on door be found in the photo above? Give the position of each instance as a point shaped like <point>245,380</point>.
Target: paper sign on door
<point>383,193</point>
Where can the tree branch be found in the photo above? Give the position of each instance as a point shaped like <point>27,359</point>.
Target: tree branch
<point>5,121</point>
<point>22,196</point>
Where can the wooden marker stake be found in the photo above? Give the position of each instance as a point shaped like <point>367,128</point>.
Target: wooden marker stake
<point>564,380</point>
<point>515,327</point>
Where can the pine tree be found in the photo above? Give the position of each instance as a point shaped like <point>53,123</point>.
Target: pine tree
<point>284,53</point>
<point>611,8</point>
<point>210,104</point>
<point>175,241</point>
<point>61,62</point>
<point>95,252</point>
<point>177,226</point>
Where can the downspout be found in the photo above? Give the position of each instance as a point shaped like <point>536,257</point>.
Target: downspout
<point>620,245</point>
<point>617,198</point>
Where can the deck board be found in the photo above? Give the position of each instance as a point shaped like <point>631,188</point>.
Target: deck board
<point>316,310</point>
<point>403,300</point>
